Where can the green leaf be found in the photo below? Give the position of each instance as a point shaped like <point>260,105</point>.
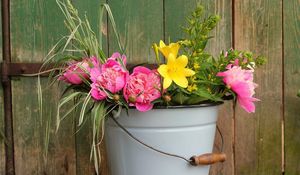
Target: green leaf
<point>180,98</point>
<point>98,115</point>
<point>83,108</point>
<point>195,100</point>
<point>113,24</point>
<point>63,101</point>
<point>202,92</point>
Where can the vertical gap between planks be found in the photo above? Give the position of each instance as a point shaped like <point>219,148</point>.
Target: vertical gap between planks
<point>7,91</point>
<point>282,93</point>
<point>233,104</point>
<point>107,55</point>
<point>107,32</point>
<point>164,20</point>
<point>75,126</point>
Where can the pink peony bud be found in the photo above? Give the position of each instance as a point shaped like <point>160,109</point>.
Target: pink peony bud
<point>77,71</point>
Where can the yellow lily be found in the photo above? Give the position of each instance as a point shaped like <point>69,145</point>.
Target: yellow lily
<point>175,71</point>
<point>170,49</point>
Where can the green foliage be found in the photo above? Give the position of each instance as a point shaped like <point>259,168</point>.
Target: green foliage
<point>205,85</point>
<point>81,34</point>
<point>198,31</point>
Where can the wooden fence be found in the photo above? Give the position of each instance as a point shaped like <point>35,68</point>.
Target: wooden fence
<point>264,143</point>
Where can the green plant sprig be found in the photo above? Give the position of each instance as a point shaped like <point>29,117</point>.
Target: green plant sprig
<point>205,85</point>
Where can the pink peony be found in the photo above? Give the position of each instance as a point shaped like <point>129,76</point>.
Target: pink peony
<point>76,71</point>
<point>112,76</point>
<point>241,82</point>
<point>143,87</point>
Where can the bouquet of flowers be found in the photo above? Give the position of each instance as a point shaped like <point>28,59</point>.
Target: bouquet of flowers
<point>184,73</point>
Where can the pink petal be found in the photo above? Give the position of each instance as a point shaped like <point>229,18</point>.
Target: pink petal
<point>221,74</point>
<point>72,78</point>
<point>242,89</point>
<point>97,93</point>
<point>95,73</point>
<point>247,104</point>
<point>229,66</point>
<point>143,107</point>
<point>141,69</point>
<point>236,62</point>
<point>115,55</point>
<point>120,82</point>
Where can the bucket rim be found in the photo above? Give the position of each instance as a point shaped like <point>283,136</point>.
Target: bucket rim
<point>206,104</point>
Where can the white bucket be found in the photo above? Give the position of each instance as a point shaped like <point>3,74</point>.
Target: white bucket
<point>182,131</point>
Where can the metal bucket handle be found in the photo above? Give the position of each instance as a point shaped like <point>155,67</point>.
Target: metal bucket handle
<point>204,159</point>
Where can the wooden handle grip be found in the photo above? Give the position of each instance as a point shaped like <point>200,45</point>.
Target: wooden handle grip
<point>208,159</point>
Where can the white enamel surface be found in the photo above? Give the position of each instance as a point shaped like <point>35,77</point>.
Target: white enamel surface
<point>186,132</point>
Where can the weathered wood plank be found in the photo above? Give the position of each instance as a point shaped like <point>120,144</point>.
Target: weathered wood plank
<point>140,24</point>
<point>84,166</point>
<point>258,27</point>
<point>30,132</point>
<point>225,124</point>
<point>35,27</point>
<point>91,9</point>
<point>2,153</point>
<point>176,12</point>
<point>292,85</point>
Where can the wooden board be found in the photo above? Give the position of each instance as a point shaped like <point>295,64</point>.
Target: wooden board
<point>258,27</point>
<point>140,24</point>
<point>84,166</point>
<point>2,153</point>
<point>292,85</point>
<point>225,124</point>
<point>91,9</point>
<point>176,12</point>
<point>35,27</point>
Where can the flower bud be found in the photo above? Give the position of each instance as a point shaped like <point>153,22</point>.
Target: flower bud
<point>167,98</point>
<point>116,97</point>
<point>132,99</point>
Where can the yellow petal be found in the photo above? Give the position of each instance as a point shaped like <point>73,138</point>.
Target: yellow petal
<point>171,60</point>
<point>165,51</point>
<point>181,81</point>
<point>167,83</point>
<point>170,49</point>
<point>174,47</point>
<point>162,44</point>
<point>188,72</point>
<point>182,61</point>
<point>163,70</point>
